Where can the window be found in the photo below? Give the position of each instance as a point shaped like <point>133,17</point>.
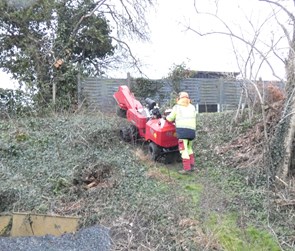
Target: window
<point>207,108</point>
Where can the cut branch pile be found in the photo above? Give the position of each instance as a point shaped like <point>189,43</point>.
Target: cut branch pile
<point>247,149</point>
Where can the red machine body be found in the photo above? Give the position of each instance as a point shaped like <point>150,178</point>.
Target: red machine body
<point>161,133</point>
<point>126,99</point>
<point>151,129</point>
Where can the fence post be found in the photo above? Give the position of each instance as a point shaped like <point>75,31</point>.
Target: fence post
<point>53,93</point>
<point>129,80</point>
<point>79,89</point>
<point>221,95</point>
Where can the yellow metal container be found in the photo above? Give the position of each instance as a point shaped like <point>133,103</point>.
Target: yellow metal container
<point>28,224</point>
<point>5,224</point>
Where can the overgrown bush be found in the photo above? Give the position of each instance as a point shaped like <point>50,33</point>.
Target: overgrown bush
<point>14,103</point>
<point>146,88</point>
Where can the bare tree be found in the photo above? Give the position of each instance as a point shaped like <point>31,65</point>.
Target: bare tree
<point>128,21</point>
<point>265,42</point>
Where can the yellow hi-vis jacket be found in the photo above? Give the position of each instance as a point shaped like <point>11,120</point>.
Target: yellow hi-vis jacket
<point>184,116</point>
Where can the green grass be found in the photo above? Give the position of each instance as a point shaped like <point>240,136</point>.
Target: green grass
<point>234,238</point>
<point>187,183</point>
<point>224,225</point>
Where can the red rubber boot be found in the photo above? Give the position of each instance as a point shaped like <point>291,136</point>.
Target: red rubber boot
<point>192,160</point>
<point>186,166</point>
<point>193,163</point>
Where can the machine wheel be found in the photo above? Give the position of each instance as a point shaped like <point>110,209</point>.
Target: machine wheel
<point>154,151</point>
<point>178,158</point>
<point>133,132</point>
<point>129,133</point>
<point>121,112</point>
<point>125,134</point>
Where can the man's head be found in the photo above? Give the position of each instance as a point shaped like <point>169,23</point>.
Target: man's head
<point>183,95</point>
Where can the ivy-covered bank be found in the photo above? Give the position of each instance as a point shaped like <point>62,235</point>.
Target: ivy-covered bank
<point>47,165</point>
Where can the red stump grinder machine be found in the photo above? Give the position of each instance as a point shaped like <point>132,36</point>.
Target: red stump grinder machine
<point>146,123</point>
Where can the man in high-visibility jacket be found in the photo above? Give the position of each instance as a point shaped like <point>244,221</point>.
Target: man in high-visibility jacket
<point>184,116</point>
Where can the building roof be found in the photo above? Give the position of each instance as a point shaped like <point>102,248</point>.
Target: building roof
<point>214,74</point>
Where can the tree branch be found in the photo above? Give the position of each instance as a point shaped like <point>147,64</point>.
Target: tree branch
<point>131,54</point>
<point>282,7</point>
<point>233,35</point>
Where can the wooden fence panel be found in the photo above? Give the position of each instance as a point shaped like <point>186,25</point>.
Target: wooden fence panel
<point>225,94</point>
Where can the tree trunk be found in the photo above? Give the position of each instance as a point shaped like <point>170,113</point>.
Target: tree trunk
<point>282,148</point>
<point>286,165</point>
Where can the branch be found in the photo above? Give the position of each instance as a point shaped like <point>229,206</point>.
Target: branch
<point>241,39</point>
<point>130,52</point>
<point>133,23</point>
<point>99,4</point>
<point>282,7</point>
<point>232,35</point>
